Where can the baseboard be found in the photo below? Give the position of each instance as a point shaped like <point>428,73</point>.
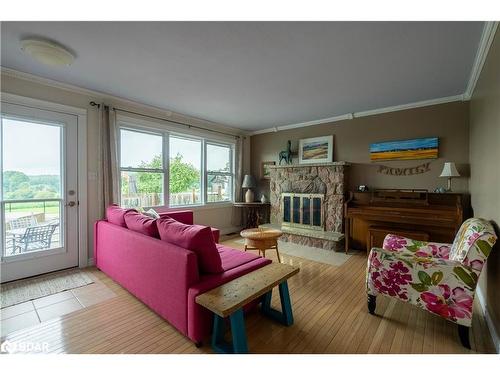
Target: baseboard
<point>489,322</point>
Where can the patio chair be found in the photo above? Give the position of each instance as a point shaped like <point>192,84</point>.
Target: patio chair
<point>438,277</point>
<point>36,238</point>
<point>23,222</point>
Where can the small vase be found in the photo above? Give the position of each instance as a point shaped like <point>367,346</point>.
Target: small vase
<point>263,199</point>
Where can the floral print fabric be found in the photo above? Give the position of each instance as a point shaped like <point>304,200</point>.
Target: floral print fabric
<point>429,274</point>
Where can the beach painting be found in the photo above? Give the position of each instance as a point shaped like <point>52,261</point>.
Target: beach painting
<point>316,150</point>
<point>265,172</point>
<point>411,149</point>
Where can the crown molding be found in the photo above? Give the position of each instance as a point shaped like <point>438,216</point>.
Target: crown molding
<point>303,124</point>
<point>487,37</point>
<point>372,112</point>
<point>101,96</point>
<point>402,107</point>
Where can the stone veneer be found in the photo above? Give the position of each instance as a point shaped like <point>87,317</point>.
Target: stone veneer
<point>328,179</point>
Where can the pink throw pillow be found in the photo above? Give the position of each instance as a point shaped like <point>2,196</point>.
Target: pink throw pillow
<point>116,215</point>
<point>196,238</point>
<point>141,223</point>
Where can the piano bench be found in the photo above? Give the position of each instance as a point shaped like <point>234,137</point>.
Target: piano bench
<point>376,235</point>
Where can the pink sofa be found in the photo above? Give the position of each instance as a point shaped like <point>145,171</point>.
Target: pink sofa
<point>165,276</point>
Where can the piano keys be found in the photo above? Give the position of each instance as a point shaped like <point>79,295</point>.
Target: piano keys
<point>434,216</point>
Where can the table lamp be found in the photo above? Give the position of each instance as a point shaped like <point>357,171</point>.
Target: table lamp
<point>249,183</point>
<point>450,171</point>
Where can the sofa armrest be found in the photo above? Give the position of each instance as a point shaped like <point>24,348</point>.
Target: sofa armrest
<point>406,245</point>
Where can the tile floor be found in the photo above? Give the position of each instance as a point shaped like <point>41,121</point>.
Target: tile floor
<point>28,314</point>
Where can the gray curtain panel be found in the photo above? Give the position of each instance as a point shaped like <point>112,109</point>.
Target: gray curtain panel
<point>108,173</point>
<point>238,179</point>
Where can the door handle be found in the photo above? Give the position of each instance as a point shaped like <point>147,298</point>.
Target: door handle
<point>71,204</point>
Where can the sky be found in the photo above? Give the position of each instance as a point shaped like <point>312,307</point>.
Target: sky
<point>31,148</point>
<point>137,147</point>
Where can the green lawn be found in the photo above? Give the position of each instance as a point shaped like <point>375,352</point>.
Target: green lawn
<point>33,207</point>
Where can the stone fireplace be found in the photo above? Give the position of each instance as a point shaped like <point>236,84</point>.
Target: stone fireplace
<point>307,203</point>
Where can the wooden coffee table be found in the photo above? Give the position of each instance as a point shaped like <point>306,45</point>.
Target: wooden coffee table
<point>262,239</point>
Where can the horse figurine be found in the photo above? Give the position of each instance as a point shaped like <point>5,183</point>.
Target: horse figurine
<point>287,155</point>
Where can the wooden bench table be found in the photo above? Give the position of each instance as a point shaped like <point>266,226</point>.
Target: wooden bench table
<point>229,299</point>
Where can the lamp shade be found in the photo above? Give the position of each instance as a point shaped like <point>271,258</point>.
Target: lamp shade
<point>249,182</point>
<point>449,170</point>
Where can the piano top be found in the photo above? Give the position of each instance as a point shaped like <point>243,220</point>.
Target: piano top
<point>404,200</point>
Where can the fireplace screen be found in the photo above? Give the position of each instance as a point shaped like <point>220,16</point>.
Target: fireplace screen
<point>302,210</point>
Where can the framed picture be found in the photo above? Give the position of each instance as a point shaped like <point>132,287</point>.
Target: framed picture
<point>316,150</point>
<point>410,149</point>
<point>265,173</point>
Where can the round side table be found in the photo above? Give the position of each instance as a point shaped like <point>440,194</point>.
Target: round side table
<point>262,239</point>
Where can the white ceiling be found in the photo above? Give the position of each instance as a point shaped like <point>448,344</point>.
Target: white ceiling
<point>256,75</point>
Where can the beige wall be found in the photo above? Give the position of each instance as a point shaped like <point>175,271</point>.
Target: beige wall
<point>219,217</point>
<point>352,139</point>
<point>485,167</point>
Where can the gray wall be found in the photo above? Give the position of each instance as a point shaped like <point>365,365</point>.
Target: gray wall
<point>485,167</point>
<point>352,139</point>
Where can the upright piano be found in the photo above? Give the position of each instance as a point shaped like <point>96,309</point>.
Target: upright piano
<point>431,216</point>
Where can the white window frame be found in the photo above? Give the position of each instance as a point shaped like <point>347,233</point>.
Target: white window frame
<point>163,170</point>
<point>230,173</point>
<point>202,163</point>
<point>154,128</point>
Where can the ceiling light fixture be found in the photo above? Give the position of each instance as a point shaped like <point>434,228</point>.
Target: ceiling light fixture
<point>47,52</point>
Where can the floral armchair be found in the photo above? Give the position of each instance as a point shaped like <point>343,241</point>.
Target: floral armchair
<point>438,277</point>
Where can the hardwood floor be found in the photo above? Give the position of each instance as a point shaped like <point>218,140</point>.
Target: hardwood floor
<point>329,305</point>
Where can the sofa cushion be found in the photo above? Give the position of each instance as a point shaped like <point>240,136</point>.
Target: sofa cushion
<point>197,238</point>
<point>116,215</point>
<point>185,216</point>
<point>141,223</point>
<point>232,258</point>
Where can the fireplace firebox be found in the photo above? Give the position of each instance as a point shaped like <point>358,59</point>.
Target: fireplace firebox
<point>303,210</point>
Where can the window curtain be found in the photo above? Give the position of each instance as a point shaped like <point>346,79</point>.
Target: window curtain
<point>238,178</point>
<point>109,183</point>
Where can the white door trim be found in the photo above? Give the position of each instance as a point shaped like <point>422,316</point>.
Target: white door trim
<point>81,114</point>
